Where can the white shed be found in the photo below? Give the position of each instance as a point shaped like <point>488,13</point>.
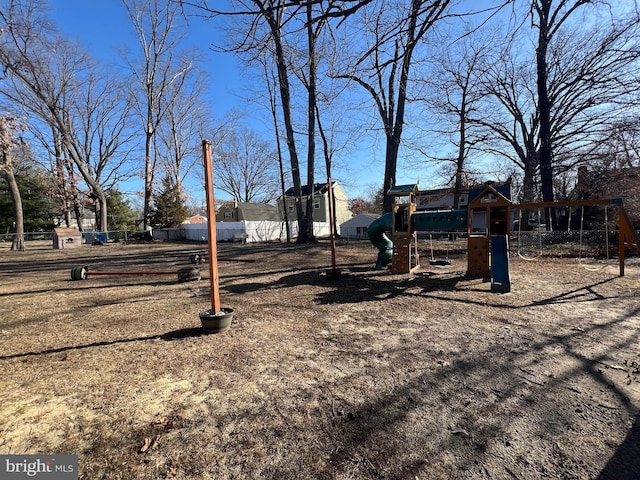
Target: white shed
<point>356,227</point>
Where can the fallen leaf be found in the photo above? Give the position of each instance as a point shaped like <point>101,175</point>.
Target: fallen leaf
<point>146,446</point>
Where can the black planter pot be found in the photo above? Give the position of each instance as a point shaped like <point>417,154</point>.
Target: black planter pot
<point>216,322</point>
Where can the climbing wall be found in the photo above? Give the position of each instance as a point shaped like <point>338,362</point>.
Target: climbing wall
<point>478,257</point>
<point>405,255</point>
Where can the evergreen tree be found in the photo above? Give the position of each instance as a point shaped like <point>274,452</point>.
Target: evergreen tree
<point>39,209</point>
<point>169,210</point>
<point>121,215</point>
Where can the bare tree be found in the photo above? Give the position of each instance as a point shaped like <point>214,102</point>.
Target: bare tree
<point>103,136</point>
<point>319,50</point>
<point>268,22</point>
<point>181,132</point>
<point>9,137</point>
<point>383,69</point>
<point>246,167</point>
<point>619,146</point>
<point>574,84</point>
<point>53,81</point>
<point>454,94</point>
<point>160,75</point>
<point>271,82</point>
<point>510,117</point>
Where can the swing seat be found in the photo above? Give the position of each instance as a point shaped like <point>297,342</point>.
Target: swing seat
<point>440,263</point>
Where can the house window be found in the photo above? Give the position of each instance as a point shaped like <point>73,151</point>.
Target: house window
<point>316,203</point>
<point>361,231</point>
<point>228,215</point>
<point>290,206</point>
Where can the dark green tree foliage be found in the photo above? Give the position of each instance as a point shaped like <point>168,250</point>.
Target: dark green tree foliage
<point>40,210</point>
<point>169,210</point>
<point>121,216</point>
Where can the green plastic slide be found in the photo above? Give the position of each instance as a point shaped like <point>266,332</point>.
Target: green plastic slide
<point>378,237</point>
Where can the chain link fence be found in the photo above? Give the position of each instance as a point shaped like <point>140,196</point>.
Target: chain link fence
<point>590,243</point>
<point>598,244</point>
<point>87,237</point>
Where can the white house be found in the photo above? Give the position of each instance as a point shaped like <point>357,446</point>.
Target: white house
<point>357,226</point>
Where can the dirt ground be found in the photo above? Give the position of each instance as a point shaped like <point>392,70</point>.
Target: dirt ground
<point>373,376</point>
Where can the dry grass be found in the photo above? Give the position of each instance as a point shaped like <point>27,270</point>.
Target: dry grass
<point>373,376</point>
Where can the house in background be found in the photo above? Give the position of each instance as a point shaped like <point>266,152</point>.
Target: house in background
<point>245,211</point>
<point>87,222</point>
<point>442,198</point>
<point>320,203</point>
<point>195,220</point>
<point>239,221</point>
<point>356,227</point>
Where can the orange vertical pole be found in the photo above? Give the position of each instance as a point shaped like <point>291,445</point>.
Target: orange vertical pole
<point>211,227</point>
<point>620,242</point>
<point>621,252</point>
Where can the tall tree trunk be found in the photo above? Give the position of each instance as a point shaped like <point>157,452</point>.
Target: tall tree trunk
<point>102,218</point>
<point>62,184</point>
<point>285,96</point>
<point>311,127</point>
<point>148,179</point>
<point>394,130</point>
<point>457,184</point>
<point>78,213</point>
<point>528,181</point>
<point>545,154</point>
<point>16,199</point>
<point>390,166</point>
<point>285,212</point>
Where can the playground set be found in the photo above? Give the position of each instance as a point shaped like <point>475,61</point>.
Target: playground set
<point>487,224</point>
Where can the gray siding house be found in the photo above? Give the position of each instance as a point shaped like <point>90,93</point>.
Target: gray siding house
<point>320,203</point>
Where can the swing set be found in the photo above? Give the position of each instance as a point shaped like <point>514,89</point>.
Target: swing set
<point>627,237</point>
<point>486,219</point>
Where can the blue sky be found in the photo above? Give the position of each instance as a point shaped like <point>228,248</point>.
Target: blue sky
<point>102,26</point>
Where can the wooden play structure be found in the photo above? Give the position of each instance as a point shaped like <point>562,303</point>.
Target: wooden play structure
<point>405,246</point>
<point>487,223</point>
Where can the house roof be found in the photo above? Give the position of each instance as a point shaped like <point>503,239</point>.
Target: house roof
<point>196,219</point>
<point>253,211</point>
<point>318,189</point>
<point>489,194</point>
<point>403,189</point>
<point>504,188</point>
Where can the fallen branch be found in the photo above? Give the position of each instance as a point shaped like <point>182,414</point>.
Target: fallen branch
<point>532,381</point>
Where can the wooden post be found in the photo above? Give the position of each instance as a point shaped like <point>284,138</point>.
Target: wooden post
<point>620,247</point>
<point>211,227</point>
<point>332,225</point>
